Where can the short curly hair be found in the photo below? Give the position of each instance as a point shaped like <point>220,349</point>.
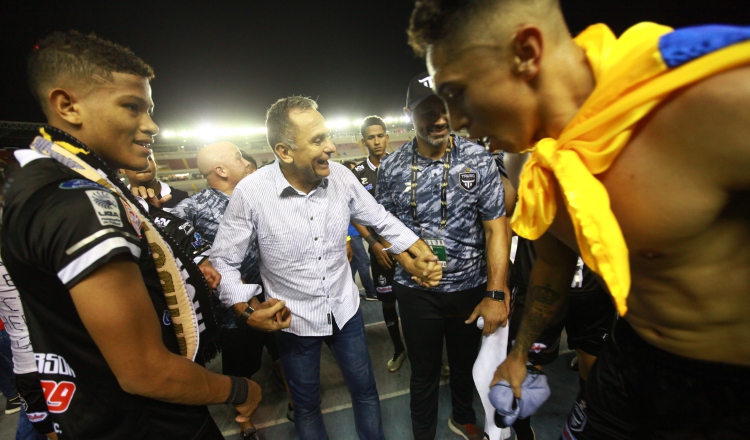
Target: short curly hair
<point>370,121</point>
<point>73,56</point>
<point>437,21</point>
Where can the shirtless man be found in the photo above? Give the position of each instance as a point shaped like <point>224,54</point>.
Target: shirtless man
<point>678,364</point>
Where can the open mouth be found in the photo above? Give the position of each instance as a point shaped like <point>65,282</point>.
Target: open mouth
<point>143,143</point>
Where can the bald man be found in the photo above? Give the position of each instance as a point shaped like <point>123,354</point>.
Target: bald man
<point>224,167</point>
<point>639,164</point>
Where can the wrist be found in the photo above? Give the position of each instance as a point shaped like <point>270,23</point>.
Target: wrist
<point>371,240</point>
<point>497,295</point>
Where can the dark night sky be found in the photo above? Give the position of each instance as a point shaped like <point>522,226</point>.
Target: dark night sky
<point>226,62</point>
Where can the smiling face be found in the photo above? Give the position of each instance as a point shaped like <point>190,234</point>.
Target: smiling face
<point>115,121</point>
<point>375,140</point>
<point>309,161</point>
<point>485,97</point>
<point>430,120</point>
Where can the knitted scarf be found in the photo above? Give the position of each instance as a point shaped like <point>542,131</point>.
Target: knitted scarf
<point>633,73</point>
<point>181,280</point>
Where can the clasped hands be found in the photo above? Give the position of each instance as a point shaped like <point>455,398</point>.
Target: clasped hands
<point>422,264</point>
<point>269,316</point>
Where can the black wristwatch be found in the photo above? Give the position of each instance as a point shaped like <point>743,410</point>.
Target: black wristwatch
<point>497,295</point>
<point>242,319</point>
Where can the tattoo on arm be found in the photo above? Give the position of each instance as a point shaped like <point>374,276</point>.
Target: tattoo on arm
<point>542,304</point>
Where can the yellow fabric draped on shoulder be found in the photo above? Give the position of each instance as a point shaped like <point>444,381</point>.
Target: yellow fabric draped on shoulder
<point>631,79</point>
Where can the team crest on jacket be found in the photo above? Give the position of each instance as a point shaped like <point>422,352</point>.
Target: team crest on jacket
<point>468,180</point>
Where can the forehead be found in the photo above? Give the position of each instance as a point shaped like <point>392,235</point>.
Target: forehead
<point>309,123</point>
<point>448,63</point>
<point>125,84</point>
<point>374,130</point>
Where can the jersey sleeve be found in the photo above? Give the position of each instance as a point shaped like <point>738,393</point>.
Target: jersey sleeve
<point>492,193</point>
<point>73,232</point>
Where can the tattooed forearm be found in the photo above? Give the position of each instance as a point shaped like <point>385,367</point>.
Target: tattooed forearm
<point>542,304</point>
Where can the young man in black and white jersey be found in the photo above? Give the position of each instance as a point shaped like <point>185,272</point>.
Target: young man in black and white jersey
<point>375,138</point>
<point>94,272</point>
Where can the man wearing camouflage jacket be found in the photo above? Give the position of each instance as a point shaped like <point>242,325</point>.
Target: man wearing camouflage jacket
<point>448,191</point>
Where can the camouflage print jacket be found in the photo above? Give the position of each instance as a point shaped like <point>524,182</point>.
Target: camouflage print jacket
<point>475,194</point>
<point>205,210</point>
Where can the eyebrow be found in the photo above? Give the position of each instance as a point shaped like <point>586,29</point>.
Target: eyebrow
<point>139,99</point>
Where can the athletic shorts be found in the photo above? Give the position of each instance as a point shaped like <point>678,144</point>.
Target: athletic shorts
<point>383,279</point>
<point>586,317</point>
<point>637,391</point>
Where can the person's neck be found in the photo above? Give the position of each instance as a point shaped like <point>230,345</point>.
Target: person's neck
<point>431,151</point>
<point>298,184</point>
<point>568,83</point>
<point>375,160</point>
<point>220,185</point>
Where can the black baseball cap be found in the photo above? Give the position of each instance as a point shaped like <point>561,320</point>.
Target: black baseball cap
<point>420,88</point>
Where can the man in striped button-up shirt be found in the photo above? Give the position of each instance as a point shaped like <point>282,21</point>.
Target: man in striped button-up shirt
<point>298,210</point>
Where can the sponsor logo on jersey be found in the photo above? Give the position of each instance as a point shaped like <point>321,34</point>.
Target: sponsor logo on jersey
<point>105,206</point>
<point>37,417</point>
<point>58,395</point>
<point>80,183</point>
<point>161,222</point>
<point>50,363</point>
<point>381,280</point>
<point>363,180</point>
<point>386,289</point>
<point>199,241</point>
<point>577,418</point>
<point>134,220</point>
<point>467,180</point>
<point>359,167</point>
<point>537,347</point>
<point>166,318</point>
<point>368,187</point>
<point>186,227</point>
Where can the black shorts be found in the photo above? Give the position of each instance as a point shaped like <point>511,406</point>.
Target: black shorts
<point>383,279</point>
<point>637,391</point>
<point>586,317</point>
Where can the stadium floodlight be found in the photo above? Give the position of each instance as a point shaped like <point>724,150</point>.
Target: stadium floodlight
<point>338,124</point>
<point>206,131</point>
<point>168,134</point>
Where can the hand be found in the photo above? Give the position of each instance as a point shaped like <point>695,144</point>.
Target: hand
<point>425,268</point>
<point>513,371</point>
<point>269,316</point>
<point>245,410</point>
<point>349,251</point>
<point>150,196</point>
<point>212,276</point>
<point>494,313</point>
<point>382,256</point>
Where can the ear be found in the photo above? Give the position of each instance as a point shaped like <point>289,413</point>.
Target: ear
<point>64,105</point>
<point>408,113</point>
<point>220,171</point>
<point>527,51</point>
<point>387,138</point>
<point>283,152</point>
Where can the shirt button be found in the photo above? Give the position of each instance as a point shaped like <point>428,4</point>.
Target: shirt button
<point>316,238</point>
<point>310,218</point>
<point>318,258</point>
<point>324,278</point>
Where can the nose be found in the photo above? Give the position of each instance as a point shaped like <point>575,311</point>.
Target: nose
<point>329,147</point>
<point>148,126</point>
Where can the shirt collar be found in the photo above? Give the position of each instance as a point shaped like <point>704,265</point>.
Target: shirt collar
<point>282,185</point>
<point>373,167</point>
